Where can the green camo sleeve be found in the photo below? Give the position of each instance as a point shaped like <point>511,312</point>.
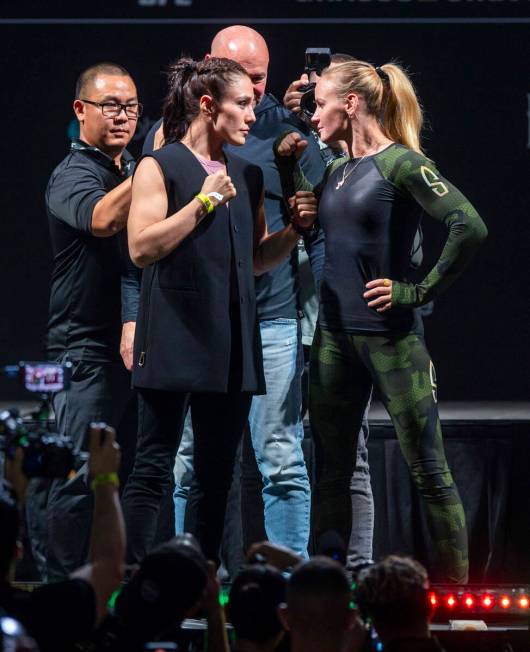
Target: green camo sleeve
<point>416,175</point>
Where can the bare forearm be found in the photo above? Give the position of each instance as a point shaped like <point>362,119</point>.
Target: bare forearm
<point>110,213</point>
<point>217,637</point>
<point>274,248</point>
<point>107,542</point>
<point>158,240</point>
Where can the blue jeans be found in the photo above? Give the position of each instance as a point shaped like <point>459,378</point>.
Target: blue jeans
<point>277,433</point>
<point>183,472</point>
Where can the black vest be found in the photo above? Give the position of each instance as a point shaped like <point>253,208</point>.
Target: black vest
<point>182,340</point>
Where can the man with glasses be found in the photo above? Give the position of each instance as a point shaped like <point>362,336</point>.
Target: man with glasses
<point>87,202</point>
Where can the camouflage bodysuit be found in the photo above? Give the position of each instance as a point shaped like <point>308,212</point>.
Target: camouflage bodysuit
<point>370,209</point>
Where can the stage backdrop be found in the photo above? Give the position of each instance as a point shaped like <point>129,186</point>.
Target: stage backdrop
<point>469,62</point>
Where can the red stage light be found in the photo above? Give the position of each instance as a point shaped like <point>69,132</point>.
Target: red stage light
<point>505,601</point>
<point>433,599</point>
<point>523,602</point>
<point>487,601</point>
<point>450,601</point>
<point>468,601</point>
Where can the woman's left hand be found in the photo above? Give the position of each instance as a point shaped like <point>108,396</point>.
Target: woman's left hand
<point>380,293</point>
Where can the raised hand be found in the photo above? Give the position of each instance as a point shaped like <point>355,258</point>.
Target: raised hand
<point>291,99</point>
<point>219,184</point>
<point>292,143</point>
<point>304,205</point>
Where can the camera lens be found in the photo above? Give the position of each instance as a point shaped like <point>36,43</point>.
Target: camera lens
<point>307,101</point>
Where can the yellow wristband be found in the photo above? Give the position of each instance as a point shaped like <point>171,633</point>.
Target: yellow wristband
<point>101,479</point>
<point>206,202</point>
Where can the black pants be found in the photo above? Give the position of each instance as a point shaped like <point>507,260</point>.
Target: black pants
<point>218,422</point>
<point>59,512</point>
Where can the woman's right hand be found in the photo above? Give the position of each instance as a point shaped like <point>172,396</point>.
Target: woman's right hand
<point>292,143</point>
<point>221,184</point>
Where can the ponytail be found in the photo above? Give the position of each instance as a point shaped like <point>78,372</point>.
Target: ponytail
<point>188,81</point>
<point>388,94</point>
<point>176,117</point>
<point>402,118</point>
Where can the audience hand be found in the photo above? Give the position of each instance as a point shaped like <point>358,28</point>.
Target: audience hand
<point>104,451</point>
<point>278,556</point>
<point>357,635</point>
<point>211,592</point>
<point>15,475</point>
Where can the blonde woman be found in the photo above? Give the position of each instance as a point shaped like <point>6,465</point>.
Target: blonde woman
<point>370,206</point>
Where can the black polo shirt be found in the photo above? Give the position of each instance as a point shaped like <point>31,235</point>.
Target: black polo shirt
<point>85,301</point>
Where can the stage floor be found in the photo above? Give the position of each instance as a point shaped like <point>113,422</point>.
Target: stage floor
<point>468,411</point>
<point>505,411</point>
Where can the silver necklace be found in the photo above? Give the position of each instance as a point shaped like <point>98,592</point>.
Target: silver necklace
<point>352,170</point>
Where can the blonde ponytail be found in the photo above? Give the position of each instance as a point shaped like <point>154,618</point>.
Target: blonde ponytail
<point>388,94</point>
<point>402,114</point>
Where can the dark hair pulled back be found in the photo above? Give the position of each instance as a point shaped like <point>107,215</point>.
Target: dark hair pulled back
<point>188,81</point>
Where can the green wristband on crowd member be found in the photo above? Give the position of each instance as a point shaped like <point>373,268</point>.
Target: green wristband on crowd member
<point>206,202</point>
<point>101,479</point>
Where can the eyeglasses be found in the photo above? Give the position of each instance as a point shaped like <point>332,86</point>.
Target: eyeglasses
<point>113,109</point>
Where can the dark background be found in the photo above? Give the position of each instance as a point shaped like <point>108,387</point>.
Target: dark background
<point>469,62</point>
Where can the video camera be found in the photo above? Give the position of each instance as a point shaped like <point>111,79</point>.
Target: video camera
<point>46,453</point>
<point>316,59</point>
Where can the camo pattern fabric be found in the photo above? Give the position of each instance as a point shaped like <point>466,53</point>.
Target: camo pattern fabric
<point>343,367</point>
<point>413,174</point>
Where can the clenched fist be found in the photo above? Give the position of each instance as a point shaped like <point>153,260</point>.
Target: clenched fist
<point>219,183</point>
<point>304,206</point>
<point>293,143</point>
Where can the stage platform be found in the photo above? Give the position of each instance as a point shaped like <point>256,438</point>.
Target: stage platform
<point>488,449</point>
<point>462,411</point>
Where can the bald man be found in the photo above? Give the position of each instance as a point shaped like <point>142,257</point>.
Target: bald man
<point>276,428</point>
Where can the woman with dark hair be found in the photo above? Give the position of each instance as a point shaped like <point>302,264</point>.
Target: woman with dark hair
<point>255,596</point>
<point>370,205</point>
<point>197,226</point>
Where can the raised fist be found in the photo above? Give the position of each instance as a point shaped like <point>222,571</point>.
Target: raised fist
<point>293,143</point>
<point>220,184</point>
<point>304,206</point>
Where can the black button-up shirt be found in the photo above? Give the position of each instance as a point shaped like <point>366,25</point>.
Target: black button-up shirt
<point>85,301</point>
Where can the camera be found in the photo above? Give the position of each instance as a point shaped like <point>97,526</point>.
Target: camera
<point>316,59</point>
<point>46,454</point>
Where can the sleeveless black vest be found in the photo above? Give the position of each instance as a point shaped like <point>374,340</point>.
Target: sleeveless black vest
<point>182,340</point>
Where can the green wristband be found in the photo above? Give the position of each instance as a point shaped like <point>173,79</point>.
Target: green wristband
<point>101,479</point>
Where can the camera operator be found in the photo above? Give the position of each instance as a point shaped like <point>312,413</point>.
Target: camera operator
<point>173,582</point>
<point>57,615</point>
